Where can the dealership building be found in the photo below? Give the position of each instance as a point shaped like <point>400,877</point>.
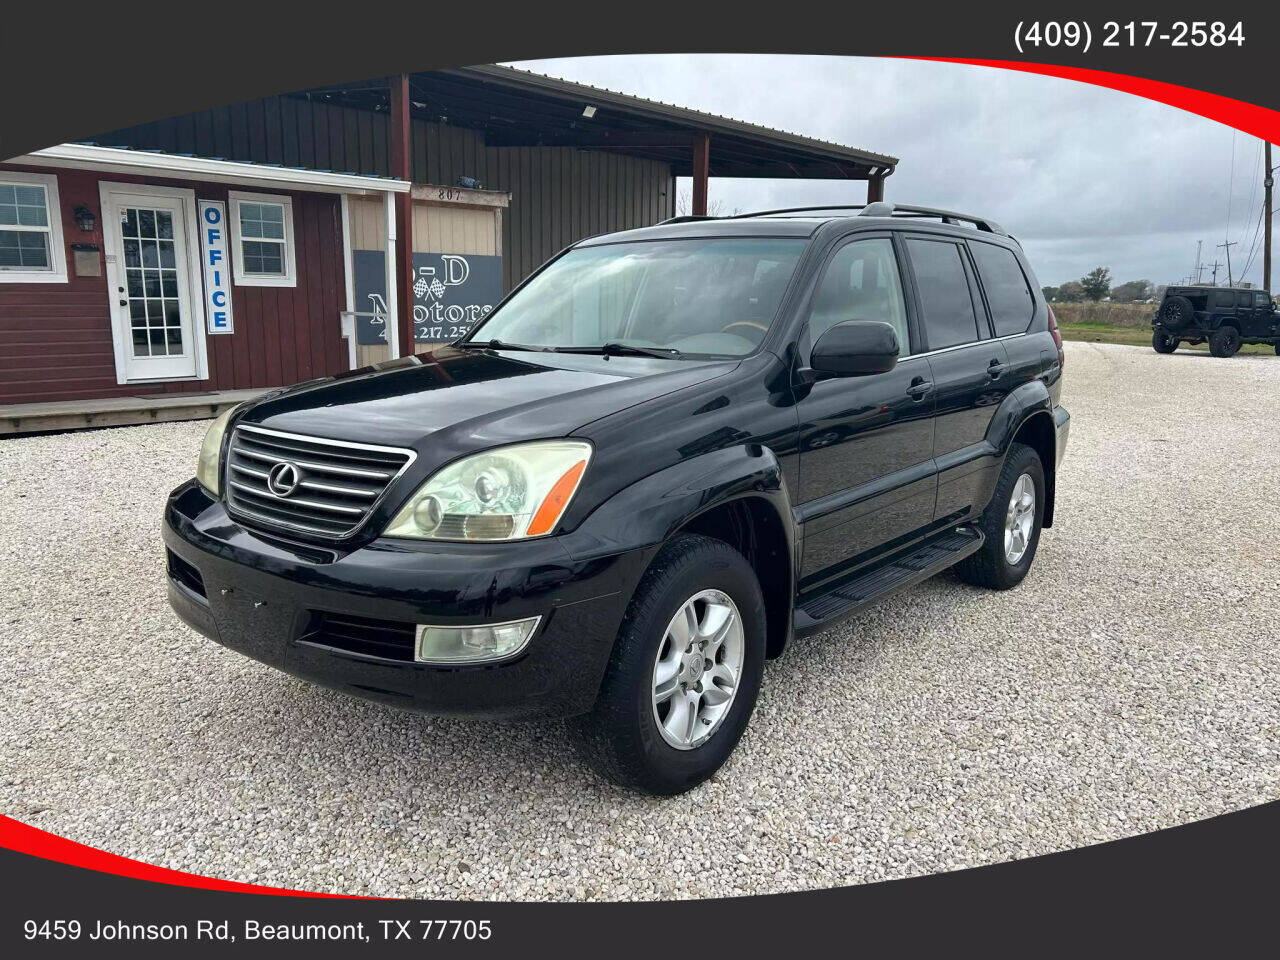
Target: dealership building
<point>167,270</point>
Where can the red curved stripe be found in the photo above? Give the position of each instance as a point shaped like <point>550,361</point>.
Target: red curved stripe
<point>23,838</point>
<point>1249,117</point>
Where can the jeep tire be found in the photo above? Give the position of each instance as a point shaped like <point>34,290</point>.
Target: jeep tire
<point>1177,312</point>
<point>1164,342</point>
<point>1224,342</point>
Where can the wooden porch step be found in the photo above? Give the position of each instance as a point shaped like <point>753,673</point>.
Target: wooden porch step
<point>117,411</point>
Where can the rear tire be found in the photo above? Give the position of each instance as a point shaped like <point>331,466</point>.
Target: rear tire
<point>1224,342</point>
<point>1278,349</point>
<point>628,737</point>
<point>1004,560</point>
<point>1176,312</point>
<point>1163,342</point>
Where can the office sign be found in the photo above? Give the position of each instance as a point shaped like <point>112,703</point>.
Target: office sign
<point>450,293</point>
<point>217,267</point>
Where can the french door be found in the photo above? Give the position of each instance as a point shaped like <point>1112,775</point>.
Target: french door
<point>151,282</point>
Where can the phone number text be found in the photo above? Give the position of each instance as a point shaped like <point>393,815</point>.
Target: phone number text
<point>1079,34</point>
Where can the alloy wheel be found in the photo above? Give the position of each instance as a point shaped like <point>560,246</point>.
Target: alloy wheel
<point>1019,519</point>
<point>696,673</point>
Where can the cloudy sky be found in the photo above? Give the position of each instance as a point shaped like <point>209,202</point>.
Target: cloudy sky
<point>1083,176</point>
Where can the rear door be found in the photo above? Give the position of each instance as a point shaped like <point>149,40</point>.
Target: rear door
<point>866,443</point>
<point>970,369</point>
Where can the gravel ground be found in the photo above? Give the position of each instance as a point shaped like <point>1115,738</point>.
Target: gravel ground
<point>1128,685</point>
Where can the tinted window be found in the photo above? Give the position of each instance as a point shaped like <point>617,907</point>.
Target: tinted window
<point>1008,293</point>
<point>1223,299</point>
<point>1261,300</point>
<point>714,296</point>
<point>861,283</point>
<point>949,317</point>
<point>1242,299</point>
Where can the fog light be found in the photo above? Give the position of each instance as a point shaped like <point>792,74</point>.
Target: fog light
<point>473,644</point>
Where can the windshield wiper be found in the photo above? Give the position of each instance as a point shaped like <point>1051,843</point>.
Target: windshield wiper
<point>615,349</point>
<point>497,345</point>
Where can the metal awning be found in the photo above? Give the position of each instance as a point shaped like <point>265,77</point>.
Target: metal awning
<point>519,108</point>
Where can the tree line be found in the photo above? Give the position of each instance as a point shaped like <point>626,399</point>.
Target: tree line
<point>1096,285</point>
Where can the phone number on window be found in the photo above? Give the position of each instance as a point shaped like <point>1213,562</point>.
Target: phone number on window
<point>1079,34</point>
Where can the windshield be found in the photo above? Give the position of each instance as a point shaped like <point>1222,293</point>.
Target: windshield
<point>709,296</point>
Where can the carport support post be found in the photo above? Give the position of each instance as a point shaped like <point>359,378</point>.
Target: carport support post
<point>875,187</point>
<point>1268,180</point>
<point>402,169</point>
<point>701,172</point>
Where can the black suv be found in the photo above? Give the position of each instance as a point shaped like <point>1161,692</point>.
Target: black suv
<point>662,458</point>
<point>1225,316</point>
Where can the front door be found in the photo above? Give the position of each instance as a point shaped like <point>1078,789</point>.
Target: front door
<point>867,477</point>
<point>151,295</point>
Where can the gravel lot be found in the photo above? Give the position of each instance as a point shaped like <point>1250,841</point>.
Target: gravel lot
<point>1128,685</point>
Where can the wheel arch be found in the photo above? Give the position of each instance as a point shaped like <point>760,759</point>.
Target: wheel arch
<point>736,495</point>
<point>1039,433</point>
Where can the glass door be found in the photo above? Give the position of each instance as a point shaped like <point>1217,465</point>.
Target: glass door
<point>151,293</point>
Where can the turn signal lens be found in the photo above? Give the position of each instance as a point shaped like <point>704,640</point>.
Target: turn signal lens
<point>505,494</point>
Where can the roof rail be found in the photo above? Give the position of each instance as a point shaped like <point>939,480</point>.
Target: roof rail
<point>685,218</point>
<point>883,208</point>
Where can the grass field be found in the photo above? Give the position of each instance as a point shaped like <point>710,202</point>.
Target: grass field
<point>1137,336</point>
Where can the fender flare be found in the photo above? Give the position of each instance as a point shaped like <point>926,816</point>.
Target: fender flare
<point>1023,404</point>
<point>637,520</point>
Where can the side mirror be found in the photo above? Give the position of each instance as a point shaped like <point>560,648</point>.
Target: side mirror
<point>856,348</point>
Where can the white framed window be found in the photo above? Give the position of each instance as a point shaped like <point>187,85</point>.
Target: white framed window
<point>262,249</point>
<point>31,249</point>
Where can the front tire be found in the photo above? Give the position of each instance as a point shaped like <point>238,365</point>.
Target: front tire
<point>1224,342</point>
<point>1163,342</point>
<point>685,671</point>
<point>1011,524</point>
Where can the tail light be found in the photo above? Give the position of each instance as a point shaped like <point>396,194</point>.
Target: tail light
<point>1057,337</point>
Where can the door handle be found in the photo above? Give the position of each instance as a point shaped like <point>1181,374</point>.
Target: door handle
<point>919,388</point>
<point>996,368</point>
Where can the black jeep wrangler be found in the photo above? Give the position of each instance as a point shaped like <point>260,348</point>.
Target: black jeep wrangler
<point>1225,316</point>
<point>658,461</point>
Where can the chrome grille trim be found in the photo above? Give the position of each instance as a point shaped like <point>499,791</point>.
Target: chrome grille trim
<point>341,482</point>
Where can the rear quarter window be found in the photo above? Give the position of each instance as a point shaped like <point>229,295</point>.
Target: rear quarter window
<point>1008,290</point>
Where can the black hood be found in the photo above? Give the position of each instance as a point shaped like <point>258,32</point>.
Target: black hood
<point>452,401</point>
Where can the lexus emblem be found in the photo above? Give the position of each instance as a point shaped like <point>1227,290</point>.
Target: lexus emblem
<point>283,479</point>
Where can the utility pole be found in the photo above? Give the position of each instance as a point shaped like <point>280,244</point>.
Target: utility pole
<point>1230,279</point>
<point>1268,172</point>
<point>1216,265</point>
<point>1199,265</point>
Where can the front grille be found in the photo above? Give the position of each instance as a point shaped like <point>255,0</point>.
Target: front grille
<point>330,490</point>
<point>389,639</point>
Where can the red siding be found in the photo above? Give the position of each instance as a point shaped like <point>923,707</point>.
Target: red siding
<point>55,338</point>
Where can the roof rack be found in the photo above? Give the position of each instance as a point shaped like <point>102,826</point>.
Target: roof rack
<point>882,208</point>
<point>686,218</point>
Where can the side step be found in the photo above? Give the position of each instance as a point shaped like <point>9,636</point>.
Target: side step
<point>917,563</point>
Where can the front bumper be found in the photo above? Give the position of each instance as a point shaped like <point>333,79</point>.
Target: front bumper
<point>263,597</point>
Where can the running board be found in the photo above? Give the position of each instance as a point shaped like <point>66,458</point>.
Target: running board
<point>910,567</point>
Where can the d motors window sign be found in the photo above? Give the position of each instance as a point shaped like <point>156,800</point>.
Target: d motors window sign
<point>217,266</point>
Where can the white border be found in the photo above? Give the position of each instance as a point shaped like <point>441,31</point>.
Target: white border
<point>57,272</point>
<point>115,279</point>
<point>290,277</point>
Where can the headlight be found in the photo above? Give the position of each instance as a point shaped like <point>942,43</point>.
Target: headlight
<point>505,494</point>
<point>207,467</point>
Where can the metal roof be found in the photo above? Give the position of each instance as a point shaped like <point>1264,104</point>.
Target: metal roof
<point>520,108</point>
